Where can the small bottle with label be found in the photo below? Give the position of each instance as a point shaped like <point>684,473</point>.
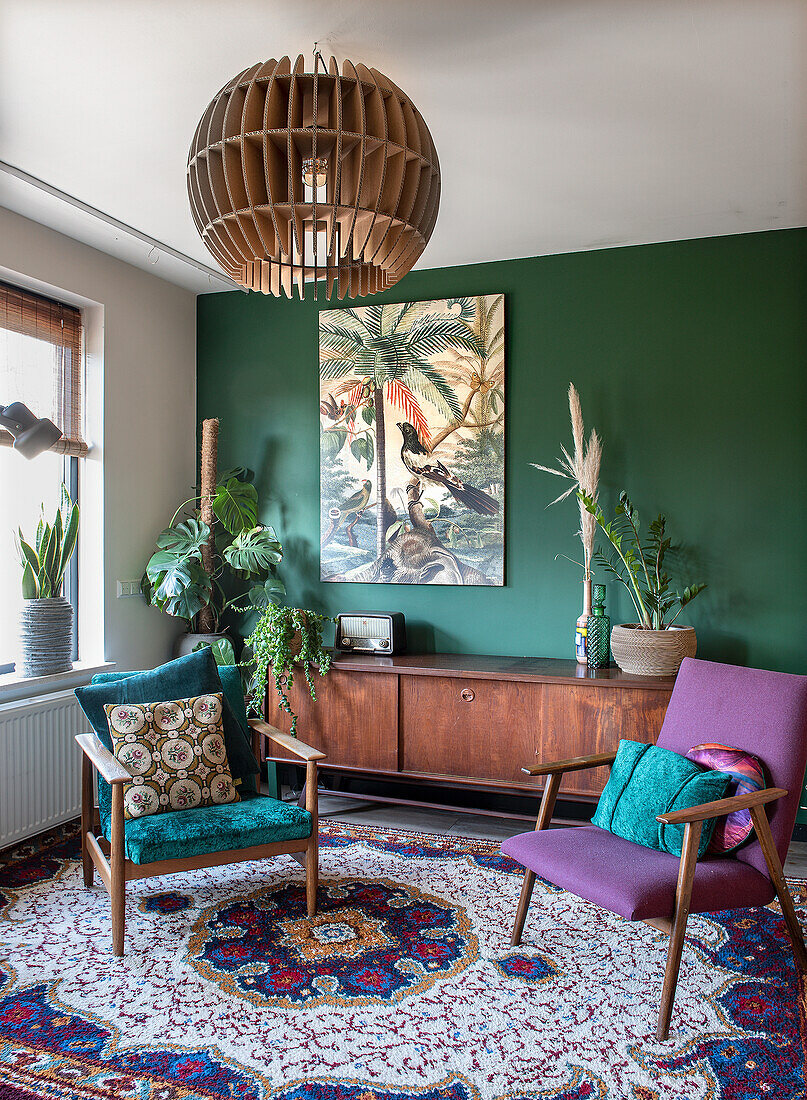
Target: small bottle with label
<point>598,631</point>
<point>581,626</point>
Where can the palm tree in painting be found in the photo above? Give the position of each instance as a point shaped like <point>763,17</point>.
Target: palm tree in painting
<point>382,353</point>
<point>483,372</point>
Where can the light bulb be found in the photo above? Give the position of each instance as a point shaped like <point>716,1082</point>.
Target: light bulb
<point>314,171</point>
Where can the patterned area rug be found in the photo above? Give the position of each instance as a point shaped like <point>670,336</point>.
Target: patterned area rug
<point>402,988</point>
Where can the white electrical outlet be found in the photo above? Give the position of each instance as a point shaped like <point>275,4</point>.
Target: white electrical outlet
<point>128,589</point>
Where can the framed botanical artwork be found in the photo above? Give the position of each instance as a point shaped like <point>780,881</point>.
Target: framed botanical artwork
<point>412,418</point>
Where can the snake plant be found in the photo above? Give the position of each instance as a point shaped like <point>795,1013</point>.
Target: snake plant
<point>44,563</point>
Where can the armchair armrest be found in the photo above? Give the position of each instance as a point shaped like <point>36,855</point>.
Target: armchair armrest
<point>722,807</point>
<point>575,764</point>
<point>109,767</point>
<point>285,741</point>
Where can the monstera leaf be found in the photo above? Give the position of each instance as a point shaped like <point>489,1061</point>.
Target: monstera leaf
<point>236,505</point>
<point>181,589</point>
<point>210,565</point>
<point>223,651</point>
<point>184,539</point>
<point>270,592</point>
<point>254,551</point>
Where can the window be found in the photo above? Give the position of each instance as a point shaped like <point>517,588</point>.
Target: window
<point>41,365</point>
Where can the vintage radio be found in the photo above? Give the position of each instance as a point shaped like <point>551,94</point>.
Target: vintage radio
<point>370,632</point>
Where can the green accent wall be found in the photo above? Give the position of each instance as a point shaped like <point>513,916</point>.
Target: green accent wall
<point>690,358</point>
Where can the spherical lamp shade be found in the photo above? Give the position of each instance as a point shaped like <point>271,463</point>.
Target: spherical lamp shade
<point>316,177</point>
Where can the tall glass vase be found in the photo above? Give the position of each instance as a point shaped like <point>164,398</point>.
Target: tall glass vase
<point>581,629</point>
<point>598,633</point>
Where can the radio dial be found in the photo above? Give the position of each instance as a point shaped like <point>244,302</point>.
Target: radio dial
<point>346,641</point>
<point>384,643</point>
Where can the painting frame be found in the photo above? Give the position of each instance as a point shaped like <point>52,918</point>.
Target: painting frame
<point>412,442</point>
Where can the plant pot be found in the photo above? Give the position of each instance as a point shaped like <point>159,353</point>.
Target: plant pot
<point>46,637</point>
<point>642,652</point>
<point>296,641</point>
<point>187,643</point>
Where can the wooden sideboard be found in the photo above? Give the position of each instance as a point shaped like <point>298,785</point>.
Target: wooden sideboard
<point>449,721</point>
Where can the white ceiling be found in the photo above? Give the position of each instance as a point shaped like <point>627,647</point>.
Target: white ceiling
<point>560,125</point>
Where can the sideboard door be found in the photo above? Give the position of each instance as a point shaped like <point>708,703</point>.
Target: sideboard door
<point>485,729</point>
<point>584,719</point>
<point>354,720</point>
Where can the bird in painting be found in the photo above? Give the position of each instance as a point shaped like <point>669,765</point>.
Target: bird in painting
<point>423,464</point>
<point>329,408</point>
<point>350,509</point>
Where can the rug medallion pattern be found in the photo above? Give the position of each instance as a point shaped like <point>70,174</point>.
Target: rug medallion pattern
<point>370,943</point>
<point>403,987</point>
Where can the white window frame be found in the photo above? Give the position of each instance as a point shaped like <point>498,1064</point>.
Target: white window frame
<point>89,566</point>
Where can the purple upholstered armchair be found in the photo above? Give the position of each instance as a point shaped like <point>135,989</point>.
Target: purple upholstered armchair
<point>762,712</point>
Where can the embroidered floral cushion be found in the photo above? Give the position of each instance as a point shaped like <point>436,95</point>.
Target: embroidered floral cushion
<point>175,752</point>
<point>747,775</point>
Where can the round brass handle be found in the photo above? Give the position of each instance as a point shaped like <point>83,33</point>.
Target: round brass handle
<point>468,695</point>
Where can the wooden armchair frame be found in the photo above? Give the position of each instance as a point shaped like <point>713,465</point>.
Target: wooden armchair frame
<point>109,857</point>
<point>692,819</point>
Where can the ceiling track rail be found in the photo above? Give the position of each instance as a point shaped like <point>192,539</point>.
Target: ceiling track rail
<point>115,223</point>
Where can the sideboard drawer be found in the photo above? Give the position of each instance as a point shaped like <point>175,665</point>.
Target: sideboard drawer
<point>485,729</point>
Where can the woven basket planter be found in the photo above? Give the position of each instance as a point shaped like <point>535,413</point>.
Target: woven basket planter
<point>46,637</point>
<point>642,652</point>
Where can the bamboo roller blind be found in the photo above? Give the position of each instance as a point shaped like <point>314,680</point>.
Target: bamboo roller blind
<point>47,375</point>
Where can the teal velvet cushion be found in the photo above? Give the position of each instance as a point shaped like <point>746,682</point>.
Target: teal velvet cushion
<point>647,780</point>
<point>254,820</point>
<point>194,674</point>
<point>230,676</point>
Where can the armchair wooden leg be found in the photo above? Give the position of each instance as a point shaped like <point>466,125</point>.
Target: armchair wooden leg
<point>548,799</point>
<point>766,843</point>
<point>523,906</point>
<point>87,815</point>
<point>117,891</point>
<point>683,894</point>
<point>312,852</point>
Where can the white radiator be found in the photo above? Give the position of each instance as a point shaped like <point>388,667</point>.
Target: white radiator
<point>40,764</point>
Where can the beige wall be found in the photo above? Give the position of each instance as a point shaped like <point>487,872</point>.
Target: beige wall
<point>144,348</point>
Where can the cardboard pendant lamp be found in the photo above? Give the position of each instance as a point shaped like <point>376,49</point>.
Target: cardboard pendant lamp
<point>322,177</point>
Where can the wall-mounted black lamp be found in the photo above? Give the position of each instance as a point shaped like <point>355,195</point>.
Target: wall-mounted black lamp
<point>31,435</point>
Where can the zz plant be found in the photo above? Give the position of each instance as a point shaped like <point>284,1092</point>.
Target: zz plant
<point>638,565</point>
<point>44,563</point>
<point>275,648</point>
<point>182,583</point>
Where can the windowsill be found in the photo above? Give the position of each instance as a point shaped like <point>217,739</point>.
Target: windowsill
<point>14,686</point>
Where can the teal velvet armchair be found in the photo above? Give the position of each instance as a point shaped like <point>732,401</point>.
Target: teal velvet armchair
<point>257,827</point>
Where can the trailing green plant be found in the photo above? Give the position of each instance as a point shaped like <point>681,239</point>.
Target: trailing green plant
<point>639,565</point>
<point>274,650</point>
<point>242,565</point>
<point>45,562</point>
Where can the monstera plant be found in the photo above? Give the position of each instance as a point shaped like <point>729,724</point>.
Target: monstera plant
<point>202,569</point>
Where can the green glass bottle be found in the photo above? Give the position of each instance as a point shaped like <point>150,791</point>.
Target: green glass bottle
<point>599,630</point>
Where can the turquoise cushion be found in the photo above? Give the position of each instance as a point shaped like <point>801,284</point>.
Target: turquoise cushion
<point>254,820</point>
<point>194,674</point>
<point>647,780</point>
<point>230,676</point>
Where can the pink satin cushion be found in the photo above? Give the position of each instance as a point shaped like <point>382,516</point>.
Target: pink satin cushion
<point>748,774</point>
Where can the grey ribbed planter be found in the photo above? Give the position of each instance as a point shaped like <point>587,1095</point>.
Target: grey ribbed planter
<point>46,637</point>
